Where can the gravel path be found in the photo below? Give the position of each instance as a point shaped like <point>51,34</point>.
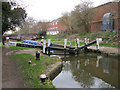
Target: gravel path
<point>11,77</point>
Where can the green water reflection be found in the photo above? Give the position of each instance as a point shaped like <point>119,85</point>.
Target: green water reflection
<point>89,71</point>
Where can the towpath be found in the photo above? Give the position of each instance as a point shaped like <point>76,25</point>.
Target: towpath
<point>11,77</point>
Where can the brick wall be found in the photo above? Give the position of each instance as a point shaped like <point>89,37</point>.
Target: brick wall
<point>99,13</point>
<point>95,25</point>
<point>55,26</point>
<point>61,27</point>
<point>119,16</point>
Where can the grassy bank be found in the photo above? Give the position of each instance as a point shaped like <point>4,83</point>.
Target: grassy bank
<point>55,40</point>
<point>1,44</point>
<point>12,48</point>
<point>110,39</point>
<point>68,43</point>
<point>32,72</point>
<point>50,36</point>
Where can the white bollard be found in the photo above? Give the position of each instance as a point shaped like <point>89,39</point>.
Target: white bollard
<point>44,45</point>
<point>65,43</point>
<point>42,37</point>
<point>85,40</point>
<point>7,38</point>
<point>49,40</point>
<point>88,40</point>
<point>100,40</point>
<point>98,47</point>
<point>78,42</point>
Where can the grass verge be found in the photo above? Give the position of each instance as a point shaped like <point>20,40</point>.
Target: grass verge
<point>12,48</point>
<point>32,72</point>
<point>1,44</point>
<point>68,43</point>
<point>110,39</point>
<point>50,36</point>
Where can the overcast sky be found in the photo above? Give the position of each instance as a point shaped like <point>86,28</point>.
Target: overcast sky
<point>52,9</point>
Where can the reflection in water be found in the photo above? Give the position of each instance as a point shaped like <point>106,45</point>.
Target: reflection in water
<point>86,62</point>
<point>66,66</point>
<point>88,71</point>
<point>98,59</point>
<point>106,65</point>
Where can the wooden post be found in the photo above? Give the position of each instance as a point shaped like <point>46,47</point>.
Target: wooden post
<point>97,43</point>
<point>49,40</point>
<point>65,44</point>
<point>44,46</point>
<point>77,45</point>
<point>49,46</point>
<point>88,40</point>
<point>85,41</point>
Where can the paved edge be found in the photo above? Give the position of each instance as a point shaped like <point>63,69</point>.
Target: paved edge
<point>105,51</point>
<point>53,70</point>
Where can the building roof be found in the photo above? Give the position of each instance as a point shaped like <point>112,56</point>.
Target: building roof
<point>107,3</point>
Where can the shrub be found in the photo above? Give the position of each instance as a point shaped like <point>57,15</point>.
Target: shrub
<point>42,33</point>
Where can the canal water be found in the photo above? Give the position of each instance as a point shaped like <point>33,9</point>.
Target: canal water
<point>88,70</point>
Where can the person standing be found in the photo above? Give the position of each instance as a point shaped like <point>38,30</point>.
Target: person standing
<point>3,39</point>
<point>36,37</point>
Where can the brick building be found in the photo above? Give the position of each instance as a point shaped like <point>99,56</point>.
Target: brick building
<point>55,27</point>
<point>110,9</point>
<point>100,11</point>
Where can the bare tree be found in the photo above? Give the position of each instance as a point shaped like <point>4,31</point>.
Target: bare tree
<point>82,15</point>
<point>79,18</point>
<point>40,26</point>
<point>28,25</point>
<point>66,20</point>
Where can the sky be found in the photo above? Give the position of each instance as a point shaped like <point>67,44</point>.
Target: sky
<point>48,10</point>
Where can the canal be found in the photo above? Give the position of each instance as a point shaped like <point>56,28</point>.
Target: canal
<point>88,70</point>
